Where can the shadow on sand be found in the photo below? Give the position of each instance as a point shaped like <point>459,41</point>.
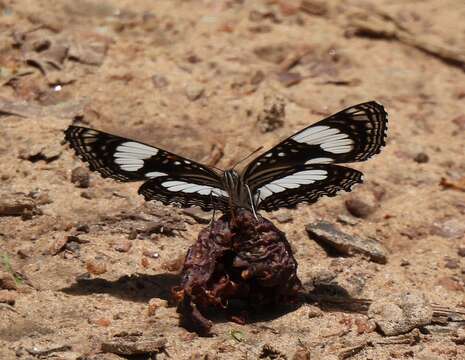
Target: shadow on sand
<point>137,288</point>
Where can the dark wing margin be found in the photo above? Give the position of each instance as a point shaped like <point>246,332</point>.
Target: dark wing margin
<point>169,178</point>
<point>306,184</point>
<point>351,135</point>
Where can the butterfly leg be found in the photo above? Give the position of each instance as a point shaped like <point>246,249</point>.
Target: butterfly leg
<point>212,220</point>
<point>252,203</point>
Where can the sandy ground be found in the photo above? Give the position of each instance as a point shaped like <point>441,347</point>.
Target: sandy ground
<point>194,77</point>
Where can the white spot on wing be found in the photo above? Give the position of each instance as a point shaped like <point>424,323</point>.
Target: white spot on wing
<point>292,181</point>
<point>321,160</point>
<point>130,155</point>
<point>330,139</point>
<point>154,174</point>
<point>137,148</point>
<point>188,188</point>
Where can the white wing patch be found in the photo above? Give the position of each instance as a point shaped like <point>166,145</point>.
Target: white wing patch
<point>175,185</point>
<point>320,160</point>
<point>330,139</point>
<point>130,155</point>
<point>292,181</point>
<point>154,174</point>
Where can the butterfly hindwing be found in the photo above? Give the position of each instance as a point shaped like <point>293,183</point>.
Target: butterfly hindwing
<point>184,192</point>
<point>353,134</point>
<point>304,184</point>
<point>128,160</point>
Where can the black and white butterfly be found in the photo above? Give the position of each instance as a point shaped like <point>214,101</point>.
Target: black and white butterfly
<point>299,169</point>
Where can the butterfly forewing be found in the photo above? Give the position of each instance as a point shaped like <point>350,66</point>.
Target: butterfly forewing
<point>128,160</point>
<point>304,184</point>
<point>353,134</point>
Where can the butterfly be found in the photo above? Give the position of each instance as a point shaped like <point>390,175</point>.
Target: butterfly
<point>299,169</point>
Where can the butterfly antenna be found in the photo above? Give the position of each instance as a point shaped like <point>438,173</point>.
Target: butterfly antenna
<point>245,158</point>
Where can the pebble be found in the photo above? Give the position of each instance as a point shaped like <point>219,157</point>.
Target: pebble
<point>202,217</point>
<point>155,304</point>
<point>461,251</point>
<point>151,254</point>
<point>7,281</point>
<point>452,263</point>
<point>194,92</point>
<point>80,176</point>
<point>123,246</point>
<point>449,229</point>
<point>96,267</point>
<point>450,284</point>
<point>421,158</point>
<point>400,313</point>
<point>361,205</point>
<point>159,81</point>
<point>58,244</point>
<point>346,244</point>
<point>314,312</point>
<point>289,79</point>
<point>283,218</point>
<point>175,264</point>
<point>8,297</point>
<point>365,326</point>
<point>16,204</point>
<point>132,346</point>
<point>301,354</point>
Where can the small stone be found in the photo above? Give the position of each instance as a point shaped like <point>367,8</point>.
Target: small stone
<point>144,262</point>
<point>194,92</point>
<point>347,220</point>
<point>314,312</point>
<point>289,79</point>
<point>58,244</point>
<point>84,228</point>
<point>283,218</point>
<point>130,346</point>
<point>269,352</point>
<point>401,313</point>
<point>202,217</point>
<point>151,254</point>
<point>273,114</point>
<point>452,263</point>
<point>361,205</point>
<point>257,78</point>
<point>8,297</point>
<point>80,176</point>
<point>175,264</point>
<point>132,234</point>
<point>314,7</point>
<point>16,204</point>
<point>301,354</point>
<point>450,284</point>
<point>460,121</point>
<point>73,246</point>
<point>7,281</point>
<point>365,326</point>
<point>103,322</point>
<point>461,251</point>
<point>327,234</point>
<point>123,246</point>
<point>159,81</point>
<point>421,158</point>
<point>155,304</point>
<point>96,267</point>
<point>88,194</point>
<point>450,229</point>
